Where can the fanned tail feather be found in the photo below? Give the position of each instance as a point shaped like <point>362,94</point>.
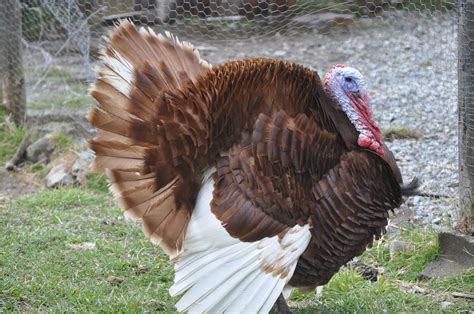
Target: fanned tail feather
<point>138,67</point>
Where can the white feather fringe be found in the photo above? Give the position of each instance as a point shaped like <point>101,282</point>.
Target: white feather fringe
<point>218,273</point>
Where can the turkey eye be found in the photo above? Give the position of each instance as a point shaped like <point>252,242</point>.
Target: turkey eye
<point>348,79</point>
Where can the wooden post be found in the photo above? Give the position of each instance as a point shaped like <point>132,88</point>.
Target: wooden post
<point>13,79</point>
<point>466,114</point>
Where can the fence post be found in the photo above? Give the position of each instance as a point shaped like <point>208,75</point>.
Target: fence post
<point>466,114</point>
<point>13,80</point>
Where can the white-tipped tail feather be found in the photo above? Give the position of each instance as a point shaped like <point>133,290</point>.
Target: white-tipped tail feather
<point>218,273</point>
<point>117,71</point>
<point>138,67</point>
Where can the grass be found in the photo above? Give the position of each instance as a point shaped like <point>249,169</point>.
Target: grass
<point>463,282</point>
<point>405,265</point>
<point>426,64</point>
<point>310,7</point>
<point>65,96</point>
<point>33,19</point>
<point>39,170</point>
<point>347,290</point>
<point>42,271</point>
<point>400,132</point>
<point>58,101</point>
<point>10,138</point>
<point>60,73</point>
<point>256,15</point>
<point>63,141</point>
<point>97,182</point>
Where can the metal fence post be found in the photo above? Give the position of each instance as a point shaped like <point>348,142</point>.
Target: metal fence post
<point>13,80</point>
<point>466,114</point>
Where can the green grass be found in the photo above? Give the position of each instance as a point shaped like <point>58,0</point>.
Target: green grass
<point>400,132</point>
<point>311,7</point>
<point>58,101</point>
<point>40,170</point>
<point>60,73</point>
<point>40,271</point>
<point>97,182</point>
<point>426,64</point>
<point>461,283</point>
<point>66,96</point>
<point>63,142</point>
<point>408,264</point>
<point>347,291</point>
<point>34,18</point>
<point>10,138</point>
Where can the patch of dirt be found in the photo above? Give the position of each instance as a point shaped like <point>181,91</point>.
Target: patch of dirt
<point>12,184</point>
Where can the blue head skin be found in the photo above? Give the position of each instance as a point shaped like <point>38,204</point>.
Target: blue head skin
<point>347,87</point>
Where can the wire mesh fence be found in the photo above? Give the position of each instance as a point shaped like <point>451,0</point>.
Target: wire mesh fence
<point>406,49</point>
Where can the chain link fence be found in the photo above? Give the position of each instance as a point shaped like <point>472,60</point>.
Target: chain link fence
<point>407,49</point>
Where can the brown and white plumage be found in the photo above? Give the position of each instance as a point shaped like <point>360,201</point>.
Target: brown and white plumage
<point>247,173</point>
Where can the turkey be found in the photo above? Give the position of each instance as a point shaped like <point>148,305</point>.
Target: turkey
<point>254,176</point>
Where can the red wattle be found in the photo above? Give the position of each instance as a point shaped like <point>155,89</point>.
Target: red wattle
<point>363,141</point>
<point>366,116</point>
<point>373,142</point>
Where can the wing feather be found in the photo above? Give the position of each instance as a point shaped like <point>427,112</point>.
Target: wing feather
<point>264,186</point>
<point>351,209</point>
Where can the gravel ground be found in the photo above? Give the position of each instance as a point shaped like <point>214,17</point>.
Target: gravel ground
<point>410,63</point>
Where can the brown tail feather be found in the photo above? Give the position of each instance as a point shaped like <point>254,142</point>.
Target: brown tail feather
<point>117,149</point>
<point>143,46</point>
<point>138,68</point>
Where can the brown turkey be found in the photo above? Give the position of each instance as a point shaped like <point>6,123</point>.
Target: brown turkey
<point>254,176</point>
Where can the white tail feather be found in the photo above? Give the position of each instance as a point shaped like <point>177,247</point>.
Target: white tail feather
<point>118,72</point>
<point>236,290</point>
<point>219,273</point>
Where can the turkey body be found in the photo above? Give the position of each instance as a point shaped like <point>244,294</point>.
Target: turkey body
<point>247,173</point>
